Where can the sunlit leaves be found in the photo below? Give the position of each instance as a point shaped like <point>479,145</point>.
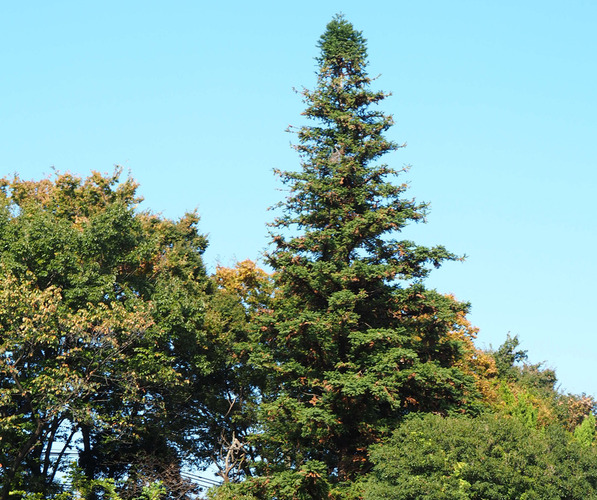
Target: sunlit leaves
<point>352,341</point>
<point>101,312</point>
<point>488,457</point>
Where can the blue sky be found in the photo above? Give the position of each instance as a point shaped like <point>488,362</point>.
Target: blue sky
<point>496,101</point>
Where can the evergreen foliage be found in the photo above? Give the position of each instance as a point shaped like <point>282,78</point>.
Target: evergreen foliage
<point>339,376</point>
<point>354,339</point>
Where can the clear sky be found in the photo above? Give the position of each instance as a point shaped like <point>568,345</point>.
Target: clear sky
<point>497,102</point>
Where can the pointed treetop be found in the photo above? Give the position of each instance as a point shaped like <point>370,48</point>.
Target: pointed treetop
<point>342,46</point>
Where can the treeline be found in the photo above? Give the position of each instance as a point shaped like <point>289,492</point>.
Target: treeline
<point>124,364</point>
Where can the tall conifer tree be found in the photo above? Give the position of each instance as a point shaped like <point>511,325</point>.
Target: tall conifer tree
<point>354,338</point>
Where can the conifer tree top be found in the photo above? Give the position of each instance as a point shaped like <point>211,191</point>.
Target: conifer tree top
<point>341,45</point>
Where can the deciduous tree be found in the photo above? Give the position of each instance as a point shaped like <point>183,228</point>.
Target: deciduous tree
<point>102,338</point>
<point>488,457</point>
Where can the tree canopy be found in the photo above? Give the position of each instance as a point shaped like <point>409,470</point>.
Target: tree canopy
<point>103,336</point>
<point>333,373</point>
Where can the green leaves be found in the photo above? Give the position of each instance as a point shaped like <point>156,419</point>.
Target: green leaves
<point>338,376</point>
<point>585,432</point>
<point>488,457</point>
<point>101,330</point>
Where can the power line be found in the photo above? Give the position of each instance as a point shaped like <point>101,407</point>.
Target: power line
<point>199,480</point>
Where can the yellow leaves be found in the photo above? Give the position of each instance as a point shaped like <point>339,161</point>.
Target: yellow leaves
<point>27,192</point>
<point>244,276</point>
<point>518,401</point>
<point>475,362</point>
<point>55,353</point>
<point>251,284</point>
